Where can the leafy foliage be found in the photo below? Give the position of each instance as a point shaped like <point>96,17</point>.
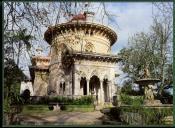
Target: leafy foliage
<point>127,88</point>
<point>83,100</point>
<point>152,50</point>
<point>12,77</point>
<point>12,74</point>
<point>22,35</point>
<point>136,101</point>
<point>141,52</point>
<point>150,116</point>
<point>154,115</point>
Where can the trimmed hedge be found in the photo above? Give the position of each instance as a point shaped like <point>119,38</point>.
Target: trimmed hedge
<point>83,100</point>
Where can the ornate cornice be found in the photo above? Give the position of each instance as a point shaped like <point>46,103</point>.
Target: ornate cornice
<point>40,68</point>
<point>41,58</point>
<point>87,27</point>
<point>36,59</point>
<point>95,56</point>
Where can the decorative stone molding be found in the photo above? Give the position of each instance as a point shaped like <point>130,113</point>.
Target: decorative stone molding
<point>92,28</point>
<point>78,49</point>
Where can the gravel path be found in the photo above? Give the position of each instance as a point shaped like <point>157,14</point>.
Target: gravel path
<point>84,118</point>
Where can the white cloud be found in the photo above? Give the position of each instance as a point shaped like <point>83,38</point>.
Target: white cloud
<point>131,18</point>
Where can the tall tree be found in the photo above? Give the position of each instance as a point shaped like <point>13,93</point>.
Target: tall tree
<point>153,48</point>
<point>163,30</point>
<point>141,52</point>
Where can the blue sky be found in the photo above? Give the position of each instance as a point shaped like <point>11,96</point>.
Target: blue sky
<point>131,18</point>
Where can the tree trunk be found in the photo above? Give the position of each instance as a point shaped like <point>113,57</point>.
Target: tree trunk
<point>162,55</point>
<point>18,54</point>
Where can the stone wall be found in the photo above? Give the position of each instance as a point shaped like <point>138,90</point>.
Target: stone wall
<point>40,83</point>
<point>57,76</point>
<point>79,42</point>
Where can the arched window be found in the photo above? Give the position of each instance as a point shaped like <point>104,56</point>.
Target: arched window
<point>83,84</point>
<point>62,88</point>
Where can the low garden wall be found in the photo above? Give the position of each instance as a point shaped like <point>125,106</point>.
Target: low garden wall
<point>143,115</point>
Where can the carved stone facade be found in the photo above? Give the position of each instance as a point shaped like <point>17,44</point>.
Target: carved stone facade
<point>80,62</point>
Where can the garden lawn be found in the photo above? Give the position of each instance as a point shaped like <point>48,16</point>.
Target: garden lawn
<point>79,108</point>
<point>35,109</point>
<point>44,110</point>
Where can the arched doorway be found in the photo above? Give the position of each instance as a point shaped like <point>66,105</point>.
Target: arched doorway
<point>83,84</point>
<point>26,95</point>
<point>94,86</point>
<point>106,90</point>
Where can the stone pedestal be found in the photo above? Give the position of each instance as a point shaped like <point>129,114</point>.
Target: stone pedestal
<point>56,108</point>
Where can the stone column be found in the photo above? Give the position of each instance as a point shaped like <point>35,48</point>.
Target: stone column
<point>70,87</point>
<point>77,89</point>
<point>101,98</point>
<point>87,81</point>
<point>112,90</point>
<point>109,90</point>
<point>57,87</point>
<point>111,84</point>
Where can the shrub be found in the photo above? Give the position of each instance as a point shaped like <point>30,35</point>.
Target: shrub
<point>39,100</point>
<point>43,100</point>
<point>51,107</point>
<point>84,100</point>
<point>115,112</point>
<point>154,115</point>
<point>150,116</point>
<point>63,107</point>
<point>126,89</point>
<point>128,100</point>
<point>6,105</point>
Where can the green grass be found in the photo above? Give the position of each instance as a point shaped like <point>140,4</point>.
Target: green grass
<point>79,108</point>
<point>35,109</point>
<point>44,110</point>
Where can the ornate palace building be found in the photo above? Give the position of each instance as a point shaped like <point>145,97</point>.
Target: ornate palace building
<point>80,61</point>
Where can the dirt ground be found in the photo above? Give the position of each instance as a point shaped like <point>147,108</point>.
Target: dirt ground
<point>63,118</point>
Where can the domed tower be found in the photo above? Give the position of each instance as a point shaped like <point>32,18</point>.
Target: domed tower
<point>81,62</point>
